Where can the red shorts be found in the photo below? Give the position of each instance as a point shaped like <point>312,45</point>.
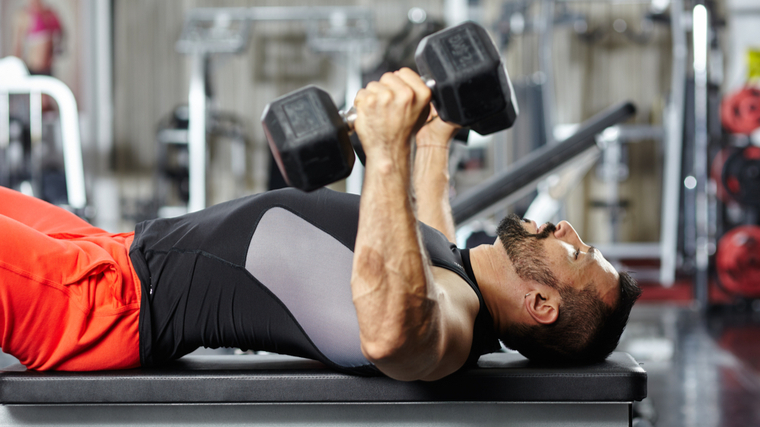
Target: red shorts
<point>69,297</point>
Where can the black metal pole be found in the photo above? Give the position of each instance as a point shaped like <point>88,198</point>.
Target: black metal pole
<point>537,164</point>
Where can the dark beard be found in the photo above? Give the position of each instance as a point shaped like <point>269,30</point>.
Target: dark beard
<point>525,250</point>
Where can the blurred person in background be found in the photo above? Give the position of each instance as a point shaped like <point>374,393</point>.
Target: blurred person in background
<point>37,36</point>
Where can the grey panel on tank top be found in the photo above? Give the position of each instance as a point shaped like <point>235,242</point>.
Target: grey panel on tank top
<point>310,272</point>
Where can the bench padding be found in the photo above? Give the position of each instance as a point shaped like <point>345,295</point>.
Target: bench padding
<point>499,377</point>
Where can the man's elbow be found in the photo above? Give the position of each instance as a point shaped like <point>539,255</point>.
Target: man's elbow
<point>398,361</point>
<point>382,351</point>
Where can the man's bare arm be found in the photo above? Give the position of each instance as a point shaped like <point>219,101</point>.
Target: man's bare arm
<point>431,175</point>
<point>408,329</point>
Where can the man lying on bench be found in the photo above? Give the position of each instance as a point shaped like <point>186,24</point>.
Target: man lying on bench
<point>363,285</point>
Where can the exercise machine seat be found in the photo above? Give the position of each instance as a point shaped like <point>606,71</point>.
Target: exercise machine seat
<point>498,377</point>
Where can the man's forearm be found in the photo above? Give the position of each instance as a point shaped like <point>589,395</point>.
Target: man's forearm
<point>391,282</point>
<point>431,178</point>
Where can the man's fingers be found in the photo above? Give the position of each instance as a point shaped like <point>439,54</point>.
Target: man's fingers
<point>374,93</point>
<point>410,94</point>
<point>422,92</point>
<point>404,86</point>
<point>393,107</point>
<point>403,94</point>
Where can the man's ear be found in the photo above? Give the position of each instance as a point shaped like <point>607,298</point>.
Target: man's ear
<point>543,307</point>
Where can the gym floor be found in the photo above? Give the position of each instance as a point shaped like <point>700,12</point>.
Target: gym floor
<point>704,370</point>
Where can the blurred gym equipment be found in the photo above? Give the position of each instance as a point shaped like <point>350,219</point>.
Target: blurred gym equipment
<point>211,31</point>
<point>401,47</point>
<point>539,126</point>
<point>16,80</point>
<point>226,137</point>
<point>741,176</point>
<point>740,111</point>
<point>502,189</point>
<point>738,261</point>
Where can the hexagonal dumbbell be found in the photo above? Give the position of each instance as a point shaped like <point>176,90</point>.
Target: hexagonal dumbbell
<point>469,81</point>
<point>309,138</point>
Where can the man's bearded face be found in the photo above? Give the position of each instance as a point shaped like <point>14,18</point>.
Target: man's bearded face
<point>525,250</point>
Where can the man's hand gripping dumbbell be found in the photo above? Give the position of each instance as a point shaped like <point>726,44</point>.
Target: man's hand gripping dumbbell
<point>461,66</point>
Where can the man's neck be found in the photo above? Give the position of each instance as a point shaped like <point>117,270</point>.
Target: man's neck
<point>492,274</point>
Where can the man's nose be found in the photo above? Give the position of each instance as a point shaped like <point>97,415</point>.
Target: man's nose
<point>566,232</point>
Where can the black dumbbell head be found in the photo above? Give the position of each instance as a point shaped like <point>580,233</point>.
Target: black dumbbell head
<point>308,138</point>
<point>472,87</point>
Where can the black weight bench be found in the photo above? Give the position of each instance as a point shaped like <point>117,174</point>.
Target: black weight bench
<point>505,389</point>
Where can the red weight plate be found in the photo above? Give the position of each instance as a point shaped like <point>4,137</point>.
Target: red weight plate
<point>752,153</point>
<point>738,261</point>
<point>740,112</point>
<point>733,184</point>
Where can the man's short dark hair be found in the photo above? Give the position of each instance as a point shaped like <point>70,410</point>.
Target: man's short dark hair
<point>586,330</point>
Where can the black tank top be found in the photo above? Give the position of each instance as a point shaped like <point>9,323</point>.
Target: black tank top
<point>267,272</point>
